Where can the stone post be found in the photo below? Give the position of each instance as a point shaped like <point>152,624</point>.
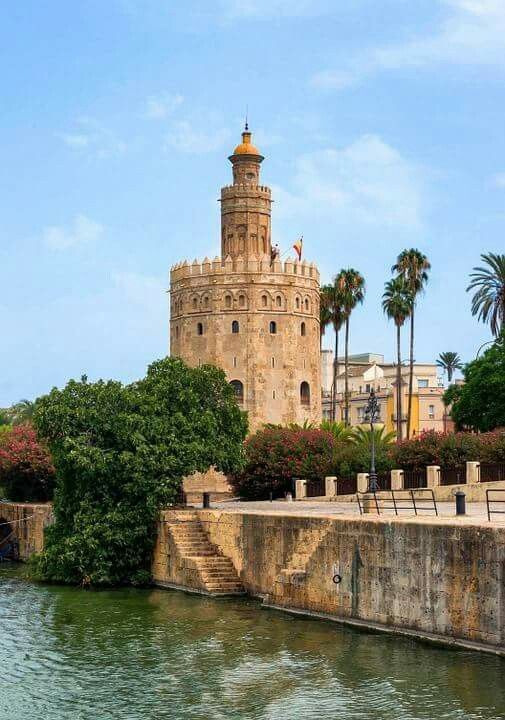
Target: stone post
<point>472,473</point>
<point>433,476</point>
<point>330,486</point>
<point>362,485</point>
<point>301,489</point>
<point>396,479</point>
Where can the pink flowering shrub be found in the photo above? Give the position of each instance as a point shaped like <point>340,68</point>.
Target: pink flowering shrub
<point>26,469</point>
<point>276,456</point>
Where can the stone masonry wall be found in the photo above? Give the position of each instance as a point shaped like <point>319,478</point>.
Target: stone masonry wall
<point>421,576</point>
<point>28,522</point>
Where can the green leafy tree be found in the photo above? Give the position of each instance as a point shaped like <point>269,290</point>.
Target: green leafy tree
<point>351,288</point>
<point>413,267</point>
<point>397,304</point>
<point>488,301</point>
<point>120,454</point>
<point>333,302</point>
<point>479,404</point>
<point>449,362</point>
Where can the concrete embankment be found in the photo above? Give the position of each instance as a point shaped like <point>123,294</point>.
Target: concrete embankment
<point>430,578</point>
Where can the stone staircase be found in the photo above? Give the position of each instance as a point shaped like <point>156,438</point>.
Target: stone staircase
<point>215,572</point>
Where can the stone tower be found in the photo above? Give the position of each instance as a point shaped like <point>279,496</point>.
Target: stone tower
<point>249,313</point>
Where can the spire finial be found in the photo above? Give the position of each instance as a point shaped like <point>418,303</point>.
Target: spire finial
<point>246,128</point>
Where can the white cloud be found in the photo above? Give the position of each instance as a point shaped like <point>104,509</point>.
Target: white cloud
<point>161,106</point>
<point>83,230</point>
<point>93,138</point>
<point>185,137</point>
<point>368,182</point>
<point>473,33</point>
<point>499,180</point>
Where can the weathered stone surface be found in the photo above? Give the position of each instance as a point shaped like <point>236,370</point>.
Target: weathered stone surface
<point>28,522</point>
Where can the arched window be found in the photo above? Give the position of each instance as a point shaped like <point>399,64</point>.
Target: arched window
<point>273,328</point>
<point>227,301</point>
<point>199,329</point>
<point>278,301</point>
<point>195,303</point>
<point>297,303</point>
<point>235,327</point>
<point>264,300</point>
<point>307,305</point>
<point>305,393</point>
<point>238,387</point>
<point>206,302</point>
<point>303,329</point>
<point>241,301</point>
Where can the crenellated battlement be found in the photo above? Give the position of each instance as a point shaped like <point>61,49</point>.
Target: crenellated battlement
<point>240,265</point>
<point>245,189</point>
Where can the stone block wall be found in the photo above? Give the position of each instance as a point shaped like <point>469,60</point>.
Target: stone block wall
<point>28,522</point>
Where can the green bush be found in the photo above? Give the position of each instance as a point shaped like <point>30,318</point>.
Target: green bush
<point>449,450</point>
<point>120,454</point>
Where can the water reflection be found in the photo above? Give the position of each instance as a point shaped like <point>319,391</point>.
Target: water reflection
<point>160,654</point>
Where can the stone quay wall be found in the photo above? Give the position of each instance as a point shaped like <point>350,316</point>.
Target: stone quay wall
<point>433,579</point>
<point>28,522</point>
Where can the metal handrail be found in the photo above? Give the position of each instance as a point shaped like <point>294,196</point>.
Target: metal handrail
<point>488,501</point>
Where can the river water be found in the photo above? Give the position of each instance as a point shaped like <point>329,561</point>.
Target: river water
<point>142,654</point>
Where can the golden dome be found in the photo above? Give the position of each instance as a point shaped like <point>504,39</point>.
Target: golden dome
<point>246,147</point>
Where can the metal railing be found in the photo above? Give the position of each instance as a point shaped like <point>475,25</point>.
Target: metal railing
<point>347,486</point>
<point>490,502</point>
<point>453,476</point>
<point>415,479</point>
<point>492,471</point>
<point>417,500</point>
<point>316,488</point>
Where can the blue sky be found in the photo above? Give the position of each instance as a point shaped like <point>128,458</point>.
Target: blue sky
<point>382,125</point>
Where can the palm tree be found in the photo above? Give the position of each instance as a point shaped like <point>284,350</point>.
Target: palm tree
<point>339,430</point>
<point>351,286</point>
<point>449,362</point>
<point>397,304</point>
<point>488,302</point>
<point>363,437</point>
<point>324,313</point>
<point>332,300</point>
<point>413,267</point>
<point>22,412</point>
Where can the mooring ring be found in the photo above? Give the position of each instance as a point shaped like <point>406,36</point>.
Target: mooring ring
<point>337,578</point>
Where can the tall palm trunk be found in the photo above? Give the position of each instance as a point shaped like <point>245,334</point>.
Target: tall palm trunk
<point>346,392</point>
<point>398,385</point>
<point>411,372</point>
<point>335,375</point>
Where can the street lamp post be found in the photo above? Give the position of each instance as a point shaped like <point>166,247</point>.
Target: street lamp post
<point>371,416</point>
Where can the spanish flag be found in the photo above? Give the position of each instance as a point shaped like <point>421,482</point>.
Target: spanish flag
<point>298,247</point>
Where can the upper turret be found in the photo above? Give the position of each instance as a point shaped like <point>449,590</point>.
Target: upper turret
<point>245,205</point>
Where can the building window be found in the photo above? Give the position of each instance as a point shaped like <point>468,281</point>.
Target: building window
<point>234,362</point>
<point>238,389</point>
<point>361,414</point>
<point>199,329</point>
<point>303,329</point>
<point>423,383</point>
<point>431,412</point>
<point>297,303</point>
<point>206,302</point>
<point>227,301</point>
<point>307,305</point>
<point>278,301</point>
<point>367,387</point>
<point>264,300</point>
<point>235,327</point>
<point>304,363</point>
<point>273,394</point>
<point>305,393</point>
<point>273,328</point>
<point>241,301</point>
<point>195,303</point>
